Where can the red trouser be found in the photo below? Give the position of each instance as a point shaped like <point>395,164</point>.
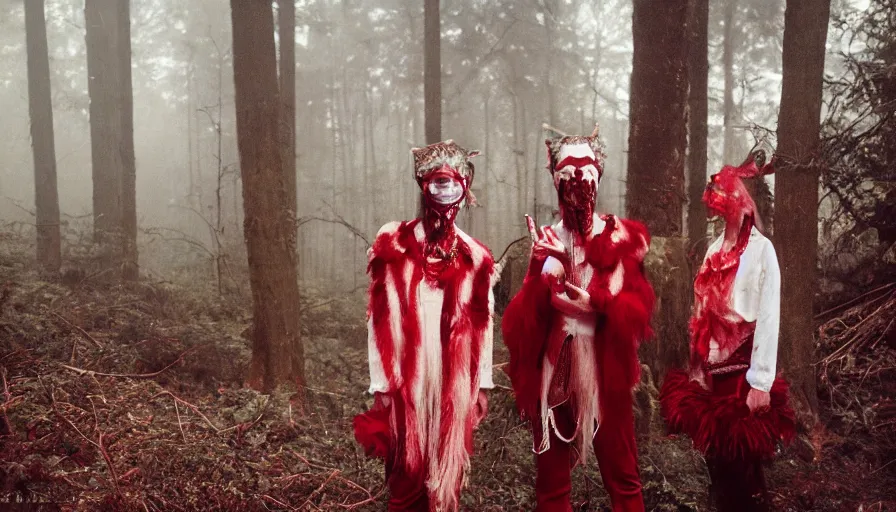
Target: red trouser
<point>617,457</point>
<point>737,485</point>
<point>407,491</point>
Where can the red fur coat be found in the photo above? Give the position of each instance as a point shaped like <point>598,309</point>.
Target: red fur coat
<point>433,392</point>
<point>622,298</point>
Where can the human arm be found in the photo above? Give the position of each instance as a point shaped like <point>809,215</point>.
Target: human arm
<point>764,358</point>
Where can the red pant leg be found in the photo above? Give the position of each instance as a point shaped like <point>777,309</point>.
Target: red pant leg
<point>617,453</point>
<point>407,491</point>
<point>553,481</point>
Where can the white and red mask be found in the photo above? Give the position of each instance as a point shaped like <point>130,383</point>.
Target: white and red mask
<point>444,173</point>
<point>576,164</point>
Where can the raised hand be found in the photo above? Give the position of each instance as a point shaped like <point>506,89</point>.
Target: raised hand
<point>545,243</point>
<point>574,301</point>
<point>758,400</point>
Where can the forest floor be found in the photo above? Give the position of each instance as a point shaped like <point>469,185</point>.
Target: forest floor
<point>129,397</point>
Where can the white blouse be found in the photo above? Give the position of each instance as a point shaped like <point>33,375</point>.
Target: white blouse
<point>756,297</point>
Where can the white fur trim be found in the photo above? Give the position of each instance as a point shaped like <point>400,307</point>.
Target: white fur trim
<point>620,234</point>
<point>616,279</point>
<point>477,251</point>
<point>395,322</point>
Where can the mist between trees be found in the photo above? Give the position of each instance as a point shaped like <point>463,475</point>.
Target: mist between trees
<point>250,151</point>
<point>507,67</point>
<point>139,125</point>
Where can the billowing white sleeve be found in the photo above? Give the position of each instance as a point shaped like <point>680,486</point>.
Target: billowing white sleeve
<point>764,360</point>
<point>486,380</point>
<point>378,382</point>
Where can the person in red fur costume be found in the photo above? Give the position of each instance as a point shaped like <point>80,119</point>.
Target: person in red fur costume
<point>573,332</point>
<point>429,339</point>
<point>730,402</point>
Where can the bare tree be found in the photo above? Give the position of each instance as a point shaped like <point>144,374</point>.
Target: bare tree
<point>432,70</point>
<point>128,170</point>
<point>805,33</point>
<point>101,23</point>
<point>287,26</point>
<point>658,132</point>
<point>112,130</point>
<point>730,149</point>
<point>277,354</point>
<point>698,110</point>
<point>46,194</point>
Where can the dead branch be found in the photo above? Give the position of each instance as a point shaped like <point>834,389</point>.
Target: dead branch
<point>277,502</point>
<point>80,330</point>
<point>98,444</point>
<point>853,301</point>
<point>301,221</point>
<point>194,409</point>
<point>81,371</point>
<point>319,489</point>
<point>501,262</point>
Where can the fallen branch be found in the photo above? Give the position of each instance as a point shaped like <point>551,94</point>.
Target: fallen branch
<point>853,301</point>
<point>82,371</point>
<point>319,489</point>
<point>194,409</point>
<point>370,499</point>
<point>98,444</point>
<point>80,330</point>
<point>277,502</point>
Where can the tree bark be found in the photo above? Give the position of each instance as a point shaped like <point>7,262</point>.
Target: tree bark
<point>730,151</point>
<point>698,106</point>
<point>805,33</point>
<point>658,130</point>
<point>128,169</point>
<point>432,70</point>
<point>287,25</point>
<point>46,194</point>
<point>101,29</point>
<point>112,132</point>
<point>277,354</point>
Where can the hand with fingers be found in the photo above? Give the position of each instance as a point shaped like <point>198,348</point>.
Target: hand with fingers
<point>546,244</point>
<point>573,301</point>
<point>480,408</point>
<point>758,400</point>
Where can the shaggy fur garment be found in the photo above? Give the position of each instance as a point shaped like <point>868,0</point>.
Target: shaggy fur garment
<point>623,301</point>
<point>435,440</point>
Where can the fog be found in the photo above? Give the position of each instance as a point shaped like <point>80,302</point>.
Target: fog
<point>508,67</point>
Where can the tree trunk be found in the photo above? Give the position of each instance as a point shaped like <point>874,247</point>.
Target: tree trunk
<point>805,33</point>
<point>101,24</point>
<point>432,71</point>
<point>765,207</point>
<point>698,71</point>
<point>277,355</point>
<point>658,131</point>
<point>287,25</point>
<point>730,151</point>
<point>46,194</point>
<point>128,169</point>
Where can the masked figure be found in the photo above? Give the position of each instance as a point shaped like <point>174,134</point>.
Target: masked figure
<point>429,339</point>
<point>729,402</point>
<point>573,332</point>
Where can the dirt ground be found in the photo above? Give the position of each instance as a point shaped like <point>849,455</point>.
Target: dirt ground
<point>129,398</point>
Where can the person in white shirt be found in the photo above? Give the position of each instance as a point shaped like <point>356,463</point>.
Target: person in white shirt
<point>730,402</point>
<point>429,339</point>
